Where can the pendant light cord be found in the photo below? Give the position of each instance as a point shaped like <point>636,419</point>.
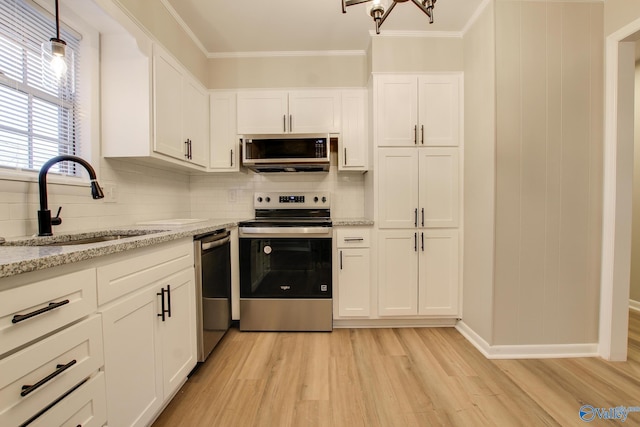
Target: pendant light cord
<point>57,22</point>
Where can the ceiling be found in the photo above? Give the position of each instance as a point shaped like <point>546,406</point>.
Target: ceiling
<point>232,27</point>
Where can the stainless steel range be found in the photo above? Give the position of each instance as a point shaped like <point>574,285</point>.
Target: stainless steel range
<point>285,263</point>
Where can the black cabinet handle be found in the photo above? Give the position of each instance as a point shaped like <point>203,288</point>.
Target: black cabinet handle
<point>186,149</point>
<point>422,241</point>
<point>284,122</point>
<point>52,305</point>
<point>423,217</point>
<point>232,157</point>
<point>165,308</point>
<point>340,260</point>
<point>415,242</point>
<point>422,134</point>
<point>345,156</point>
<point>169,300</point>
<point>290,122</point>
<point>26,389</point>
<point>162,308</point>
<point>415,217</point>
<point>415,134</point>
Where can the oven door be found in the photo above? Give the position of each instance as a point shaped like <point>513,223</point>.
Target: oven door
<point>282,266</point>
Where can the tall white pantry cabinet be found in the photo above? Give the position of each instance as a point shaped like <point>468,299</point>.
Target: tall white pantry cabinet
<point>417,135</point>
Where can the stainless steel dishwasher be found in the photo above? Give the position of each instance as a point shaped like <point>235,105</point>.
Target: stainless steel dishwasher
<point>213,288</point>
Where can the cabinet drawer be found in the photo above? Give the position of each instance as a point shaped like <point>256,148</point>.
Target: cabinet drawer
<point>85,407</point>
<point>30,311</point>
<point>133,272</point>
<point>353,238</point>
<point>51,368</point>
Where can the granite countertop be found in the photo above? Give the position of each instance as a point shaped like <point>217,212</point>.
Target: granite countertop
<point>26,257</point>
<point>340,222</point>
<point>23,255</point>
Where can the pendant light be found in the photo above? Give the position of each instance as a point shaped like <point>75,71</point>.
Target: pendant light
<point>55,50</point>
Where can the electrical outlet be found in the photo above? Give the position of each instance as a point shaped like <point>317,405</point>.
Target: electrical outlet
<point>110,193</point>
<point>232,196</point>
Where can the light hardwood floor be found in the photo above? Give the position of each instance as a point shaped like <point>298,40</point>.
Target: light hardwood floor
<point>395,377</point>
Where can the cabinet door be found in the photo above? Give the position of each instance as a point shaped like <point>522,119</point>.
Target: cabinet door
<point>224,139</point>
<point>261,112</point>
<point>314,111</point>
<point>353,142</point>
<point>168,106</point>
<point>398,187</point>
<point>196,122</point>
<point>133,369</point>
<point>439,187</point>
<point>353,282</point>
<point>396,110</point>
<point>398,273</point>
<point>439,287</point>
<point>439,110</point>
<point>178,331</point>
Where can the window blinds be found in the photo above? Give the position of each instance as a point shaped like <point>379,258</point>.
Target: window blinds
<point>38,113</point>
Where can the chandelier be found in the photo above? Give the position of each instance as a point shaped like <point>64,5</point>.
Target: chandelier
<point>379,14</point>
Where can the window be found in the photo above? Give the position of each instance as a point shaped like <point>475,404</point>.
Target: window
<point>39,115</point>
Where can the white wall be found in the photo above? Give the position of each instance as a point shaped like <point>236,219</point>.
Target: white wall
<point>143,193</point>
<point>231,195</point>
<point>479,173</point>
<point>549,63</point>
<point>634,293</point>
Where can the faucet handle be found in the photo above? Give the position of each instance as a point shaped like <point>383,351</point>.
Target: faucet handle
<point>56,220</point>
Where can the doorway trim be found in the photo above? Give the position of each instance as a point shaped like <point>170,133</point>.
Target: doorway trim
<point>617,196</point>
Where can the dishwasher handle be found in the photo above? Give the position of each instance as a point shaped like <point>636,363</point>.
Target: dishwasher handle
<point>215,240</point>
<point>215,244</point>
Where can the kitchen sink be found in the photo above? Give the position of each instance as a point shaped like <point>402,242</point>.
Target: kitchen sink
<point>80,239</point>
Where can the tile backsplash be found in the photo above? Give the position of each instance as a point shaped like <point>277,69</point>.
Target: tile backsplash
<point>145,193</point>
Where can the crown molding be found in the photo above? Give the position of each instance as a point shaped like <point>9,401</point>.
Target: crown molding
<point>276,54</point>
<point>185,27</point>
<point>417,34</point>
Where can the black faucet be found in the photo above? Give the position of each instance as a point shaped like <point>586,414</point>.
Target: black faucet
<point>44,214</point>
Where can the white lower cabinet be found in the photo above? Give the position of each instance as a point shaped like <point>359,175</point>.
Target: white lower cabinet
<point>353,272</point>
<point>42,377</point>
<point>418,272</point>
<point>150,347</point>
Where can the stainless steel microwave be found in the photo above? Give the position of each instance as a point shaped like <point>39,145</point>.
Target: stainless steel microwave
<point>286,153</point>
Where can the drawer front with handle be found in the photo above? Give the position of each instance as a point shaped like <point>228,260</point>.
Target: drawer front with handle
<point>352,237</point>
<point>31,311</point>
<point>86,407</point>
<point>40,374</point>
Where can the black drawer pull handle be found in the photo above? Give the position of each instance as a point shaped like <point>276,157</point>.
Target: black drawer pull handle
<point>26,389</point>
<point>52,305</point>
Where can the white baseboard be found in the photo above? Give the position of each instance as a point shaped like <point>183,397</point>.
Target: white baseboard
<point>393,323</point>
<point>542,351</point>
<point>634,305</point>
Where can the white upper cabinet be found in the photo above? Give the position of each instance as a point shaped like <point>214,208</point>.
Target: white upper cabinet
<point>353,142</point>
<point>276,112</point>
<point>196,121</point>
<point>181,111</point>
<point>224,146</point>
<point>151,108</point>
<point>418,110</point>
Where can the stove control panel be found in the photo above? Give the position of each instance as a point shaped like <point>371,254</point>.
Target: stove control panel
<point>292,200</point>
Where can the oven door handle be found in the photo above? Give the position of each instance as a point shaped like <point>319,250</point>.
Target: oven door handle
<point>286,230</point>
